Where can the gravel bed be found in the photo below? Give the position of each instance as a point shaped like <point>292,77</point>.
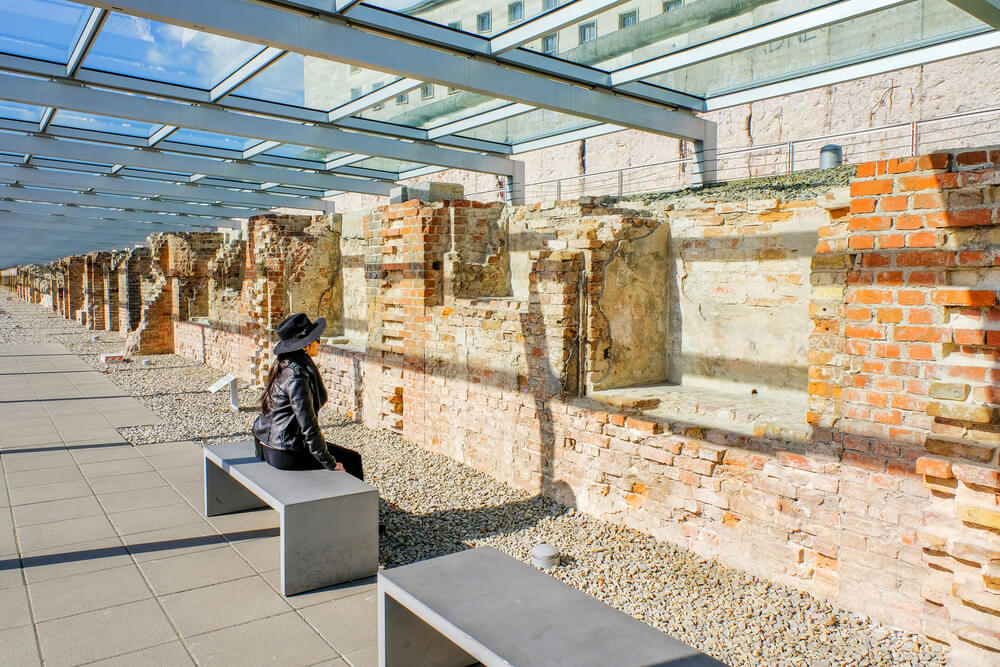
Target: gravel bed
<point>799,185</point>
<point>432,505</point>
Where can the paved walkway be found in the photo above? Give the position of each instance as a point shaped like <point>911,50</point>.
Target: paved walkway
<point>106,556</point>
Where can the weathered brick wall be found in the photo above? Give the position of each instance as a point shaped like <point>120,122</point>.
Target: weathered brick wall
<point>918,383</point>
<point>219,348</point>
<point>130,270</point>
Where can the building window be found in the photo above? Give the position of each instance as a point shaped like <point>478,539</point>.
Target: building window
<point>402,98</point>
<point>427,91</point>
<point>355,69</point>
<point>378,107</point>
<point>515,12</point>
<point>452,91</point>
<point>549,4</point>
<point>484,22</point>
<point>671,5</point>
<point>355,93</point>
<point>588,31</point>
<point>628,18</point>
<point>550,44</point>
<point>455,25</point>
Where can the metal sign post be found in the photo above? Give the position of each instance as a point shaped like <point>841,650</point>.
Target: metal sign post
<point>234,397</point>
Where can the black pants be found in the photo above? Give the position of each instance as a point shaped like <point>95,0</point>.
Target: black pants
<point>301,459</point>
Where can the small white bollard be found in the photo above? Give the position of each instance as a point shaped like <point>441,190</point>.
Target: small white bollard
<point>147,362</point>
<point>544,556</point>
<point>234,397</point>
<point>93,339</point>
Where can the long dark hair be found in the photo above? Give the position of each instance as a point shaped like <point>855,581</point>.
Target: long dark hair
<point>266,401</point>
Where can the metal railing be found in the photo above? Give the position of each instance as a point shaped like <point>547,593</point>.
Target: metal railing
<point>969,129</point>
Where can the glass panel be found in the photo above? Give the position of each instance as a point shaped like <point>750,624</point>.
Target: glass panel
<point>42,29</point>
<point>387,164</point>
<point>83,121</point>
<point>432,105</point>
<point>313,83</point>
<point>320,155</point>
<point>15,111</point>
<point>536,124</point>
<point>212,140</point>
<point>917,23</point>
<point>160,52</point>
<point>640,30</point>
<point>485,19</point>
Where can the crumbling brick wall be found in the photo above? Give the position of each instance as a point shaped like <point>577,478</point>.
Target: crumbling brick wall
<point>130,269</point>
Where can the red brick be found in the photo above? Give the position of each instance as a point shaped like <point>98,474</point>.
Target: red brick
<point>870,296</point>
<point>894,204</point>
<point>934,466</point>
<point>863,205</point>
<point>927,200</point>
<point>866,188</point>
<point>877,333</point>
<point>890,315</point>
<point>922,334</point>
<point>913,183</point>
<point>862,242</point>
<point>887,241</point>
<point>920,316</point>
<point>921,240</point>
<point>901,166</point>
<point>870,223</point>
<point>971,157</point>
<point>969,336</point>
<point>909,221</point>
<point>972,218</point>
<point>925,258</point>
<point>888,277</point>
<point>964,297</point>
<point>866,170</point>
<point>975,258</point>
<point>920,352</point>
<point>858,314</point>
<point>934,161</point>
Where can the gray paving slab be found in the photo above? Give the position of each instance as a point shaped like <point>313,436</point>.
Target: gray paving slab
<point>146,480</point>
<point>14,603</point>
<point>222,605</point>
<point>104,633</point>
<point>153,518</point>
<point>173,573</point>
<point>100,452</point>
<point>263,554</point>
<point>67,532</point>
<point>172,654</point>
<point>256,643</point>
<point>44,492</point>
<point>37,458</point>
<point>87,591</point>
<point>350,623</point>
<point>127,466</point>
<point>43,476</point>
<point>173,541</point>
<point>56,510</point>
<point>19,647</point>
<point>64,561</point>
<point>136,499</point>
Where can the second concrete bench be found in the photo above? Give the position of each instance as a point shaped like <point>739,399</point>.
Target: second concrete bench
<point>329,520</point>
<point>482,605</point>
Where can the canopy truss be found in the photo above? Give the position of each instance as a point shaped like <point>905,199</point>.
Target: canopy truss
<point>226,108</point>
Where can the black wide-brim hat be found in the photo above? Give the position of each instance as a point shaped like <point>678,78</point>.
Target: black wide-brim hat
<point>296,332</point>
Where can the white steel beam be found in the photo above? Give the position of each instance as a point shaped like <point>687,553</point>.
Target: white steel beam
<point>987,11</point>
<point>245,73</point>
<point>549,22</point>
<point>331,38</point>
<point>780,29</point>
<point>33,191</point>
<point>952,49</point>
<point>104,224</point>
<point>144,187</point>
<point>82,47</point>
<point>375,97</point>
<point>153,159</point>
<point>84,213</point>
<point>134,107</point>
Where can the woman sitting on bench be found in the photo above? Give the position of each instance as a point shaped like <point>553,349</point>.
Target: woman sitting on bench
<point>287,431</point>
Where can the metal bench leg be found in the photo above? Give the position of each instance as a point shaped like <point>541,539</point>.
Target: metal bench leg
<point>224,495</point>
<point>328,542</point>
<point>404,639</point>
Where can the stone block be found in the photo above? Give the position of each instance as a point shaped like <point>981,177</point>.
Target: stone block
<point>964,412</point>
<point>949,391</point>
<point>957,449</point>
<point>428,192</point>
<point>980,516</point>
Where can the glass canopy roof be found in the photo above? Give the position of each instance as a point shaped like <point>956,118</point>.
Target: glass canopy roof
<point>289,109</point>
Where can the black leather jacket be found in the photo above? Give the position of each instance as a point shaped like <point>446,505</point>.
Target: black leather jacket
<point>296,396</point>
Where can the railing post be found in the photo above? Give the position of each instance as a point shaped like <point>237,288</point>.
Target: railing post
<point>914,138</point>
<point>790,148</point>
<point>558,189</point>
<point>620,190</point>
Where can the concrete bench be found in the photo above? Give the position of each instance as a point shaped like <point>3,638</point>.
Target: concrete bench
<point>329,519</point>
<point>482,605</point>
